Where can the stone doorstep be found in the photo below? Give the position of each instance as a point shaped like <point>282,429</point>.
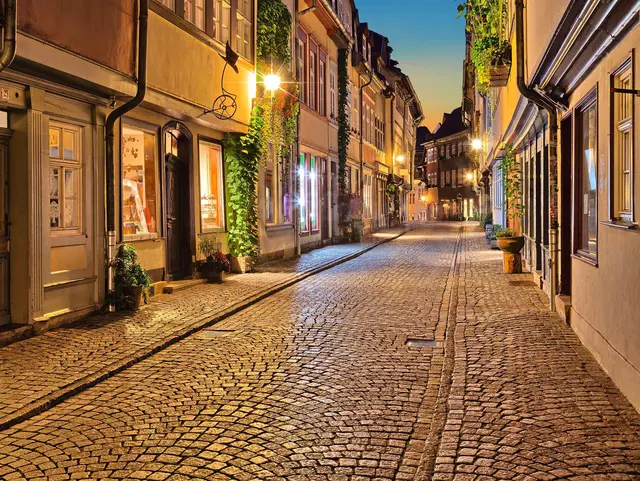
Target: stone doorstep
<point>563,308</point>
<point>175,286</point>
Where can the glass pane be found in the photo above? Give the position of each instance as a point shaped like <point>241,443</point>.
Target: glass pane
<point>54,142</point>
<point>70,183</point>
<point>226,21</point>
<point>54,213</point>
<point>4,119</point>
<point>69,144</point>
<point>139,207</point>
<point>169,3</point>
<point>302,201</point>
<point>211,187</point>
<point>70,213</point>
<point>589,181</point>
<point>54,182</point>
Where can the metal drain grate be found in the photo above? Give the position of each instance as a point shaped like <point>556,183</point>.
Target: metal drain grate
<point>422,343</point>
<point>214,334</point>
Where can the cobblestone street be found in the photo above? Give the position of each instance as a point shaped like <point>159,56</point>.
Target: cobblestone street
<point>417,360</point>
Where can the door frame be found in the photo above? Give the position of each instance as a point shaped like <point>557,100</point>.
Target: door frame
<point>188,207</point>
<point>5,137</point>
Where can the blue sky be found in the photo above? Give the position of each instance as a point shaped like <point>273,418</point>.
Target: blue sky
<point>428,41</point>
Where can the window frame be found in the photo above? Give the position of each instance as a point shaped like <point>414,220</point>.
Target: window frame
<point>333,78</point>
<point>176,14</point>
<point>618,127</point>
<point>156,132</point>
<point>322,83</point>
<point>302,45</point>
<point>218,144</point>
<point>313,75</point>
<point>62,164</point>
<point>589,100</point>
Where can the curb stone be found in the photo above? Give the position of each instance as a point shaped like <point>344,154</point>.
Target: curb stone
<point>207,320</point>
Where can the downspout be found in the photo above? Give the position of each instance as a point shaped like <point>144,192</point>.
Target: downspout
<point>110,137</point>
<point>542,103</point>
<point>10,34</point>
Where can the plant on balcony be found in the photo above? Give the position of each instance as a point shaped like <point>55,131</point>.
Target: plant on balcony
<point>487,21</point>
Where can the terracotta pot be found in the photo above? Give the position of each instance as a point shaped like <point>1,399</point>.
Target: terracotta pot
<point>137,297</point>
<point>241,265</point>
<point>511,245</point>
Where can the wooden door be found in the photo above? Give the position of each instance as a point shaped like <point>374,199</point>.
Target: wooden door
<point>5,317</point>
<point>176,236</point>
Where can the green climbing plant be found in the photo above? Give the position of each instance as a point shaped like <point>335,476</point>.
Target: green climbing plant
<point>511,177</point>
<point>343,137</point>
<point>243,154</point>
<point>273,121</point>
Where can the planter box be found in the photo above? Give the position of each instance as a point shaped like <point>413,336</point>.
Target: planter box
<point>241,265</point>
<point>499,75</point>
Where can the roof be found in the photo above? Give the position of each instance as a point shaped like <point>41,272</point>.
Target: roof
<point>422,135</point>
<point>452,124</point>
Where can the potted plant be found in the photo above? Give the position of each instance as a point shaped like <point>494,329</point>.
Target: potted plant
<point>131,280</point>
<point>215,262</point>
<point>509,240</point>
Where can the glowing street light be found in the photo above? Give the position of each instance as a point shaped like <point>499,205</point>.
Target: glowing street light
<point>272,82</point>
<point>469,176</point>
<point>476,144</point>
<point>423,198</point>
<point>400,158</point>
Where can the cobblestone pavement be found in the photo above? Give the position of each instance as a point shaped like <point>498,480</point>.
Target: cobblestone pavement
<point>35,370</point>
<point>317,382</point>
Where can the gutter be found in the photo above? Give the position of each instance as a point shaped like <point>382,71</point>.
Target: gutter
<point>541,102</point>
<point>296,155</point>
<point>143,17</point>
<point>10,34</point>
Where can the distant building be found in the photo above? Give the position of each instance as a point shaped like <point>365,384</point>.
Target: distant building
<point>448,171</point>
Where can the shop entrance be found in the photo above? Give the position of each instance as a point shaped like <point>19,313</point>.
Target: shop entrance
<point>177,203</point>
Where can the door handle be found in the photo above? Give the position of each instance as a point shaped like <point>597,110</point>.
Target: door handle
<point>171,219</point>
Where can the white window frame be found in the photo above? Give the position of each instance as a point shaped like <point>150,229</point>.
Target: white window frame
<point>64,164</point>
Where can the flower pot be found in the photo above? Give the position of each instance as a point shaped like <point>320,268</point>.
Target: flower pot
<point>137,298</point>
<point>214,277</point>
<point>511,245</point>
<point>241,265</point>
<point>499,75</point>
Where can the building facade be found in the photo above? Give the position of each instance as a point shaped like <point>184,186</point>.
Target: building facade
<point>568,108</point>
<point>448,171</point>
<point>169,164</point>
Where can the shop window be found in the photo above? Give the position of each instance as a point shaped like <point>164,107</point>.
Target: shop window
<point>270,187</point>
<point>623,168</point>
<point>211,187</point>
<point>302,201</point>
<point>65,174</point>
<point>313,191</point>
<point>139,184</point>
<point>586,215</point>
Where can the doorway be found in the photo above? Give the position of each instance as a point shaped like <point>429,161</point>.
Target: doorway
<point>177,194</point>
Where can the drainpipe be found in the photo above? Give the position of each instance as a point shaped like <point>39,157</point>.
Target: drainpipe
<point>110,136</point>
<point>362,87</point>
<point>543,104</point>
<point>10,34</point>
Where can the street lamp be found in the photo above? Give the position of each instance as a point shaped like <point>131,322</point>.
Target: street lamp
<point>423,198</point>
<point>476,144</point>
<point>400,158</point>
<point>271,82</point>
<point>469,176</point>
